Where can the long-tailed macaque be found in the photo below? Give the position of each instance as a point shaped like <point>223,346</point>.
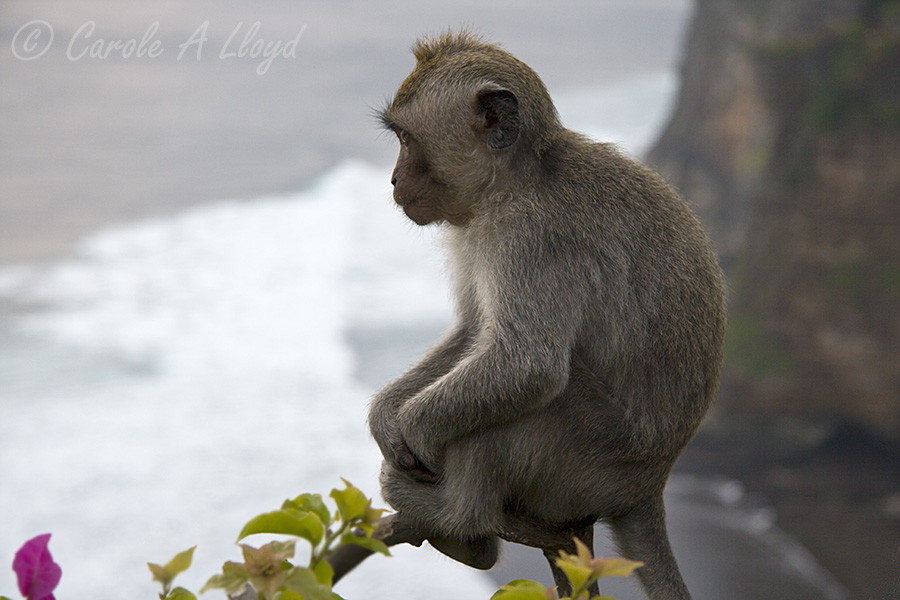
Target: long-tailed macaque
<point>589,320</point>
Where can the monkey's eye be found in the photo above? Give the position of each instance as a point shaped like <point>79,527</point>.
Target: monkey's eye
<point>402,136</point>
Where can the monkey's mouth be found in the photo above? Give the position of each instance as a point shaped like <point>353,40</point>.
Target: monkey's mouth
<point>407,202</point>
<point>417,210</point>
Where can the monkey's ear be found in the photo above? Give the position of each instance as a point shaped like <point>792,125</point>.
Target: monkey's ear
<point>499,116</point>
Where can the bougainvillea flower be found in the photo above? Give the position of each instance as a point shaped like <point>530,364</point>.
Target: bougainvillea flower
<point>38,575</point>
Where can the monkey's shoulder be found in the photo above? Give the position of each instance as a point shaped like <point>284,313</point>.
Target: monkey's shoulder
<point>591,170</point>
<point>597,185</point>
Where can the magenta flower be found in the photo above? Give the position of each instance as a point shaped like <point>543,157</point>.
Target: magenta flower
<point>38,575</point>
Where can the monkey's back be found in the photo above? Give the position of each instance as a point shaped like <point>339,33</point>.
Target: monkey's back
<point>657,317</point>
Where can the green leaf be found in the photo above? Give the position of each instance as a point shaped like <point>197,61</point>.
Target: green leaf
<point>310,503</point>
<point>366,542</point>
<point>159,573</point>
<point>371,518</point>
<point>304,582</point>
<point>521,589</point>
<point>335,596</point>
<point>306,525</point>
<point>351,502</point>
<point>324,573</point>
<point>180,562</point>
<point>232,579</point>
<point>614,567</point>
<point>5,598</point>
<point>180,593</point>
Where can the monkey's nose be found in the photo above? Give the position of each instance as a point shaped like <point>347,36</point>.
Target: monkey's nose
<point>393,180</point>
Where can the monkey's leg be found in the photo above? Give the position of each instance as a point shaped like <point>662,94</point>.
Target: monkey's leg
<point>641,535</point>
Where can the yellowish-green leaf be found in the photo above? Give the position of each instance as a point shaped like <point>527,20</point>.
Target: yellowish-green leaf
<point>324,573</point>
<point>159,573</point>
<point>582,552</point>
<point>306,525</point>
<point>370,518</point>
<point>232,579</point>
<point>366,542</point>
<point>180,593</point>
<point>581,569</point>
<point>615,567</point>
<point>303,581</point>
<point>180,562</point>
<point>351,502</point>
<point>575,572</point>
<point>310,503</point>
<point>522,589</point>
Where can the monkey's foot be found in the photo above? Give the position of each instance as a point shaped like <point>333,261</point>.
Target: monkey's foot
<point>392,530</point>
<point>478,553</point>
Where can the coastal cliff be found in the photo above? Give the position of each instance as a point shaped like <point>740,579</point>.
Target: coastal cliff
<point>786,137</point>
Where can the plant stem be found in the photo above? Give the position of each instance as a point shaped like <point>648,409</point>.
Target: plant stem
<point>325,550</point>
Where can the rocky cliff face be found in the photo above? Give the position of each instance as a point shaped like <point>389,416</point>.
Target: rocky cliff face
<point>786,136</point>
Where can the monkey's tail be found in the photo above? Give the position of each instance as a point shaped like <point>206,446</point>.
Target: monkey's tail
<point>641,535</point>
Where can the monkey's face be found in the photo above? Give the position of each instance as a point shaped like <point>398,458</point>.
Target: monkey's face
<point>456,142</point>
<point>419,187</point>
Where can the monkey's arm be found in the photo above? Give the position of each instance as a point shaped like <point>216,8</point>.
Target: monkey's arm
<point>386,405</point>
<point>519,360</point>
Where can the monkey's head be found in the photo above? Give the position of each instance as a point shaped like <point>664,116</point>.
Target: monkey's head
<point>470,119</point>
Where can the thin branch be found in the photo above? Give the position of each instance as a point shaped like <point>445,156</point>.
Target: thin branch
<point>248,593</point>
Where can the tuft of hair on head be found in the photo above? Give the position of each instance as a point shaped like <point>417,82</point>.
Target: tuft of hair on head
<point>450,42</point>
